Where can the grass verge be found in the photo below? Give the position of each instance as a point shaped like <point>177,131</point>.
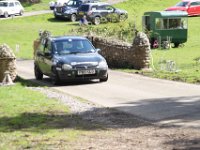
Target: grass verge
<point>30,120</point>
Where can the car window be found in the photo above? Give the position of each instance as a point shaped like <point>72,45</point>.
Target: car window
<point>3,4</point>
<point>194,4</point>
<point>182,4</point>
<point>17,4</point>
<point>11,5</point>
<point>84,8</point>
<point>47,47</point>
<point>74,3</point>
<point>109,7</point>
<point>73,46</point>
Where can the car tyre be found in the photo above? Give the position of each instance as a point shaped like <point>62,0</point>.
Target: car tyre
<point>38,73</point>
<point>21,12</point>
<point>73,17</point>
<point>6,15</point>
<point>104,79</point>
<point>97,20</point>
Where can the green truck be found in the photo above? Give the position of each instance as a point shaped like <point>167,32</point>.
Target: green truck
<point>168,26</point>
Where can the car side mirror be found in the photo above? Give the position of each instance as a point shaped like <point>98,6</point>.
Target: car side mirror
<point>47,54</point>
<point>98,50</point>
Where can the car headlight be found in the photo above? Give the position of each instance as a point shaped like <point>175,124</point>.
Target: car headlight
<point>66,67</point>
<point>103,64</point>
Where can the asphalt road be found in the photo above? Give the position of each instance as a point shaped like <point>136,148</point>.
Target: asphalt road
<point>156,100</point>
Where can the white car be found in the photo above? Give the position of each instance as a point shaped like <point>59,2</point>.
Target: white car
<point>59,3</point>
<point>11,7</point>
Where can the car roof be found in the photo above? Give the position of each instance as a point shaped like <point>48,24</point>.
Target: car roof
<point>60,38</point>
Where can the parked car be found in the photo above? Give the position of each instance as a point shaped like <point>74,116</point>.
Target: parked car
<point>100,12</point>
<point>191,6</point>
<point>69,10</point>
<point>10,7</point>
<point>68,58</point>
<point>57,3</point>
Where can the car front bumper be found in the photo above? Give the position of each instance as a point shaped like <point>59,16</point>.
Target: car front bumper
<point>73,75</point>
<point>62,15</point>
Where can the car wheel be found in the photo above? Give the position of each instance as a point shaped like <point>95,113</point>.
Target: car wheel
<point>104,79</point>
<point>73,17</point>
<point>6,15</point>
<point>97,20</point>
<point>122,17</point>
<point>38,73</point>
<point>21,12</point>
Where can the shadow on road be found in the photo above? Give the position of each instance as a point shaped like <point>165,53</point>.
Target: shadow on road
<point>176,110</point>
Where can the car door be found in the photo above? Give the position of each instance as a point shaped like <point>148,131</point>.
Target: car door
<point>11,8</point>
<point>17,7</point>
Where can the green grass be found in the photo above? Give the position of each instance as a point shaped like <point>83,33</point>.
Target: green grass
<point>30,120</point>
<point>43,5</point>
<point>23,31</point>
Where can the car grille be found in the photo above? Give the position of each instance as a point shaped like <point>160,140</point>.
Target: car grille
<point>59,9</point>
<point>85,66</point>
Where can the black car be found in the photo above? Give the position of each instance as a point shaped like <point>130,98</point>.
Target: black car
<point>101,12</point>
<point>68,58</point>
<point>69,10</point>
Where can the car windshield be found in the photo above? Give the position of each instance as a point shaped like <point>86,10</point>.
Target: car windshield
<point>3,4</point>
<point>73,46</point>
<point>182,4</point>
<point>73,3</point>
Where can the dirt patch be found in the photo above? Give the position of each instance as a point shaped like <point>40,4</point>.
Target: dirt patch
<point>125,132</point>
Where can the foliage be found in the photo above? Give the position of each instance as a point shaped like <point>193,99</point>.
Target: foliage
<point>123,31</point>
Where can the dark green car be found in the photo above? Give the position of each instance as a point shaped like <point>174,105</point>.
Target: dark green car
<point>69,58</point>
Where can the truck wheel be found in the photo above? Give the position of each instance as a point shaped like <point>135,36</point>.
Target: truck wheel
<point>176,45</point>
<point>97,20</point>
<point>73,17</point>
<point>38,73</point>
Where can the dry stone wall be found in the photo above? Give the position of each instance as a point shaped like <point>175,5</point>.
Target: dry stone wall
<point>124,55</point>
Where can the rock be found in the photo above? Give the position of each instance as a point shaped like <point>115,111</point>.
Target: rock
<point>7,62</point>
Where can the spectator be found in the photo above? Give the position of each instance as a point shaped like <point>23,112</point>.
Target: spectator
<point>83,21</point>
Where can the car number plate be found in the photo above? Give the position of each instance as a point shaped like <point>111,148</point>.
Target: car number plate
<point>84,72</point>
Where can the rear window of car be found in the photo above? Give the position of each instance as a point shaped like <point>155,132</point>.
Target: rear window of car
<point>84,8</point>
<point>3,4</point>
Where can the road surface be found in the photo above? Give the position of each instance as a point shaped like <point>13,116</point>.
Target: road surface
<point>155,100</point>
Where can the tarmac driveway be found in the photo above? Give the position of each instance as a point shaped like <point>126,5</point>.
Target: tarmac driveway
<point>155,100</point>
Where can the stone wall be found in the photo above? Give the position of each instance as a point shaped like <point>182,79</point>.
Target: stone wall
<point>7,62</point>
<point>124,55</point>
